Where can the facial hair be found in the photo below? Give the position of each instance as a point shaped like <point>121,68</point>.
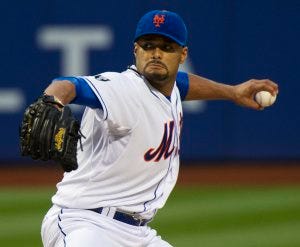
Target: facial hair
<point>156,77</point>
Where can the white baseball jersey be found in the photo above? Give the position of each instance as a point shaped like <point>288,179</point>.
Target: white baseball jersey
<point>130,157</point>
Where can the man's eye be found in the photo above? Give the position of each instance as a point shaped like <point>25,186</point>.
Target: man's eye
<point>168,48</point>
<point>147,46</point>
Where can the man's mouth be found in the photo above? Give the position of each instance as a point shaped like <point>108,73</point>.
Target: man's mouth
<point>156,64</point>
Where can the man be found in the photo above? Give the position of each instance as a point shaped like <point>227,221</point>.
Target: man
<point>130,158</point>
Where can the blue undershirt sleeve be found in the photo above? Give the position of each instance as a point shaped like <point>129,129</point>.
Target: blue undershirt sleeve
<point>84,94</point>
<point>182,81</point>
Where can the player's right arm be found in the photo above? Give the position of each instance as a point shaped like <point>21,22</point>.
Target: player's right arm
<point>194,87</point>
<point>241,94</point>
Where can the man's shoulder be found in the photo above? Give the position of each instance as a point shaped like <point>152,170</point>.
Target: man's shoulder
<point>107,76</point>
<point>110,75</point>
<point>127,79</point>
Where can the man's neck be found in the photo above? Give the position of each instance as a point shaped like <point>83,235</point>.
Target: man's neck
<point>165,88</point>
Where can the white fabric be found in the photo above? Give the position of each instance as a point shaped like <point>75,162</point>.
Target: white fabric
<point>130,162</point>
<point>112,170</point>
<point>85,228</point>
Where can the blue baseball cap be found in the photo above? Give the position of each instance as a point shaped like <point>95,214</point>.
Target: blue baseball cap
<point>162,22</point>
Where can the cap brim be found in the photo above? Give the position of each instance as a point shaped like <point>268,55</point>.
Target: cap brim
<point>162,34</point>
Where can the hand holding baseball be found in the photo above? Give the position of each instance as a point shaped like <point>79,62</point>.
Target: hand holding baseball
<point>256,94</point>
<point>265,98</point>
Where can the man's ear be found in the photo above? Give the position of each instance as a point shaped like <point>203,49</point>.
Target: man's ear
<point>184,54</point>
<point>134,49</point>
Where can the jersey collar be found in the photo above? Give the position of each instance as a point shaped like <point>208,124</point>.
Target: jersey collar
<point>157,93</point>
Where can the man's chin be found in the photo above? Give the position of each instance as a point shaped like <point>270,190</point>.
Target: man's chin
<point>156,77</point>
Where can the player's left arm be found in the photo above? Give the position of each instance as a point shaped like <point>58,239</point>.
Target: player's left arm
<point>73,90</point>
<point>201,88</point>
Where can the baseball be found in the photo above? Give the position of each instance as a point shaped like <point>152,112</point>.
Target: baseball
<point>264,98</point>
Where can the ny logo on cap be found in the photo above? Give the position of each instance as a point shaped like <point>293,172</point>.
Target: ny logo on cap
<point>158,19</point>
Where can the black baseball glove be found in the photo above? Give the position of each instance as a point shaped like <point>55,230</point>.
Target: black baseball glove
<point>49,131</point>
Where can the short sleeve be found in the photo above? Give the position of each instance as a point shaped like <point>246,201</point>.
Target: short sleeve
<point>116,94</point>
<point>182,81</point>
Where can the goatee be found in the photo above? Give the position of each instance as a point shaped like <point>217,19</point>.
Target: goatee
<point>156,77</point>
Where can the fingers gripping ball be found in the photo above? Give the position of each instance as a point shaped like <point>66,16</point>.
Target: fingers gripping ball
<point>265,99</point>
<point>47,133</point>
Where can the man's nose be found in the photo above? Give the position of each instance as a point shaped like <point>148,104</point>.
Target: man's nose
<point>157,53</point>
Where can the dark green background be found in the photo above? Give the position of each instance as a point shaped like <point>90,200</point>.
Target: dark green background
<point>194,216</point>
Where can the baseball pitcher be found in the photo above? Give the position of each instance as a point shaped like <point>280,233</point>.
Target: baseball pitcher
<point>122,161</point>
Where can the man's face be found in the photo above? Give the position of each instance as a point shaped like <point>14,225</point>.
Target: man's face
<point>158,58</point>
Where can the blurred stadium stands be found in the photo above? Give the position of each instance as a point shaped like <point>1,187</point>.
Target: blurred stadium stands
<point>229,40</point>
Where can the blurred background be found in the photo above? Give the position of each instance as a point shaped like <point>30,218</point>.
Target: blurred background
<point>240,175</point>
